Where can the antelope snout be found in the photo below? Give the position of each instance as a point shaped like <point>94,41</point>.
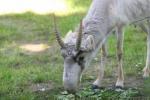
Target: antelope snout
<point>70,86</point>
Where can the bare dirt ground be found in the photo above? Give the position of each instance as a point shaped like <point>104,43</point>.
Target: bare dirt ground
<point>41,87</point>
<point>130,81</point>
<point>133,81</point>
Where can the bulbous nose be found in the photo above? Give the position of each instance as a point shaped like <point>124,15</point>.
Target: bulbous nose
<point>70,87</point>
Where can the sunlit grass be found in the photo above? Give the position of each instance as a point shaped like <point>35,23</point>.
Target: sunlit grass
<point>37,6</point>
<point>59,7</point>
<point>34,47</point>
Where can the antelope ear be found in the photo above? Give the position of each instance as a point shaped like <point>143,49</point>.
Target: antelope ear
<point>90,43</point>
<point>68,34</point>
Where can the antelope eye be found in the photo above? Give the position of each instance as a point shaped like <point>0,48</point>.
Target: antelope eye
<point>81,58</point>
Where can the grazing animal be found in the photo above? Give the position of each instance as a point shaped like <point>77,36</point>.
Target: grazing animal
<point>79,47</point>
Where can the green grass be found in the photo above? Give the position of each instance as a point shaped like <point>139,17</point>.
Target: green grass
<point>19,69</point>
<point>101,94</point>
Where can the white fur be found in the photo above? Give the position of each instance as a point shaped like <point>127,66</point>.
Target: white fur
<point>102,17</point>
<point>70,37</point>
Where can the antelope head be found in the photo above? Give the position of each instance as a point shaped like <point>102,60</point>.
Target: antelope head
<point>75,56</point>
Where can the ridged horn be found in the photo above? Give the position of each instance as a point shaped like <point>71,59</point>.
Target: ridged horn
<point>57,34</point>
<point>79,39</point>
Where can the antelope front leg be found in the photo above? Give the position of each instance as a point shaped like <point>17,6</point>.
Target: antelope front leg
<point>120,37</point>
<point>98,81</point>
<point>147,67</point>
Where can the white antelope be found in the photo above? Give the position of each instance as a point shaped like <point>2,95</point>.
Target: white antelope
<point>79,47</point>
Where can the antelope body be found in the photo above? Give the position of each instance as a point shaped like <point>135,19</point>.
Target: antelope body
<point>80,46</point>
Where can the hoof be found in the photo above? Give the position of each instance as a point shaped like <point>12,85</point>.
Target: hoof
<point>119,87</point>
<point>96,87</point>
